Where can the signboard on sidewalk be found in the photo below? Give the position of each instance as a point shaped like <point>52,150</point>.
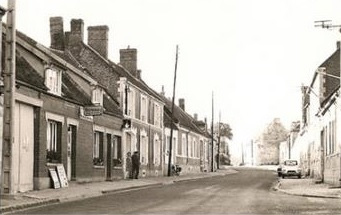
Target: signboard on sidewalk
<point>62,176</point>
<point>54,178</point>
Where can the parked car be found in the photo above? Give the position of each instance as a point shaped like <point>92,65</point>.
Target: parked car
<point>291,168</point>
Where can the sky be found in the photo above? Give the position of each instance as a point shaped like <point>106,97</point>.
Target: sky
<point>252,55</point>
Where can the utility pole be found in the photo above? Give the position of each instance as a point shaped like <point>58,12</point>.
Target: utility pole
<point>327,25</point>
<point>172,115</point>
<point>9,103</point>
<point>212,154</point>
<point>218,162</point>
<point>2,13</point>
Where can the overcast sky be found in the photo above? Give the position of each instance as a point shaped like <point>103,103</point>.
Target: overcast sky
<point>253,54</point>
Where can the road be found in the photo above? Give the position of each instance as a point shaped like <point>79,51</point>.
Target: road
<point>248,192</point>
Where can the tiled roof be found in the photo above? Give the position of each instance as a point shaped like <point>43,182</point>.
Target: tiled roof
<point>26,74</point>
<point>332,65</point>
<point>183,118</point>
<point>110,106</point>
<point>70,90</point>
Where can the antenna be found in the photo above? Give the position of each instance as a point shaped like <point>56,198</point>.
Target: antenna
<point>326,24</point>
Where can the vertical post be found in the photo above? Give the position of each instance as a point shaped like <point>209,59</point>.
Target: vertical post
<point>172,115</point>
<point>212,154</point>
<point>218,161</point>
<point>9,90</point>
<point>2,13</point>
<point>252,158</point>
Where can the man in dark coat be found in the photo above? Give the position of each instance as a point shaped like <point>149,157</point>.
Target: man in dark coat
<point>135,158</point>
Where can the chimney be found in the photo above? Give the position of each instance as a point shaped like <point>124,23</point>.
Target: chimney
<point>75,37</point>
<point>128,59</point>
<point>77,31</point>
<point>138,73</point>
<point>98,39</point>
<point>182,104</point>
<point>338,45</point>
<point>57,33</point>
<point>163,91</point>
<point>322,76</point>
<point>196,117</point>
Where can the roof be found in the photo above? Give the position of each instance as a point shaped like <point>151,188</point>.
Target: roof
<point>121,71</point>
<point>180,116</point>
<point>332,65</point>
<point>27,74</point>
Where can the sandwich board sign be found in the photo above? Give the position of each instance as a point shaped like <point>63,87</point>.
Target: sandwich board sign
<point>54,178</point>
<point>62,176</point>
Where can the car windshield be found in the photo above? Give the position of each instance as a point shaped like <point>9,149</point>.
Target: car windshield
<point>290,163</point>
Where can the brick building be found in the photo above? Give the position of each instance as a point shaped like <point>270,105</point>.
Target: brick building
<point>54,124</point>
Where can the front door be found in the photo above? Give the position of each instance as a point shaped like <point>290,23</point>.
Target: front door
<point>109,157</point>
<point>22,164</point>
<point>71,152</point>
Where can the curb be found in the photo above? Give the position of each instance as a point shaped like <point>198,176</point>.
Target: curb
<point>278,185</point>
<point>14,208</point>
<point>131,188</point>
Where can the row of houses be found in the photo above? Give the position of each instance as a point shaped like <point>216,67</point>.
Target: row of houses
<point>316,140</point>
<point>77,108</point>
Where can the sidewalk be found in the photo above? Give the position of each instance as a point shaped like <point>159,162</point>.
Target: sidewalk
<point>77,191</point>
<point>307,187</point>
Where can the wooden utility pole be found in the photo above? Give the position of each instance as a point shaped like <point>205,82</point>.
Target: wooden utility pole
<point>2,13</point>
<point>212,151</point>
<point>218,161</point>
<point>172,115</point>
<point>9,103</point>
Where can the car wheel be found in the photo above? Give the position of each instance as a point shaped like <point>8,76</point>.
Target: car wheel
<point>299,176</point>
<point>283,176</point>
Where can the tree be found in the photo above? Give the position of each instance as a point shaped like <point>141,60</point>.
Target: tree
<point>226,130</point>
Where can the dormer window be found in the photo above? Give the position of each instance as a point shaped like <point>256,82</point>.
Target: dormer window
<point>97,96</point>
<point>53,80</point>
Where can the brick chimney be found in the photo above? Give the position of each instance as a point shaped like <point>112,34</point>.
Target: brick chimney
<point>57,33</point>
<point>98,39</point>
<point>128,59</point>
<point>195,116</point>
<point>182,104</point>
<point>75,37</point>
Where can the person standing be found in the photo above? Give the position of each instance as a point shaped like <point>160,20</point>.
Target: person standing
<point>135,164</point>
<point>129,168</point>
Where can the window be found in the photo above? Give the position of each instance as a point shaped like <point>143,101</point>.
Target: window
<point>144,149</point>
<point>184,145</point>
<point>131,103</point>
<point>117,152</point>
<point>53,80</point>
<point>144,108</point>
<point>190,147</point>
<point>157,149</point>
<point>331,138</point>
<point>179,148</point>
<point>53,143</point>
<point>97,96</point>
<point>157,115</point>
<point>98,149</point>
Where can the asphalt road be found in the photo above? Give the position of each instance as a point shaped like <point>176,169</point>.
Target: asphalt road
<point>248,192</point>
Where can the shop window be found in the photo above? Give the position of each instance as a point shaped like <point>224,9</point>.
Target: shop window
<point>98,149</point>
<point>117,152</point>
<point>53,143</point>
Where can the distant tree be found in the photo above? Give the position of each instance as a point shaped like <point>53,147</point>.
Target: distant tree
<point>226,130</point>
